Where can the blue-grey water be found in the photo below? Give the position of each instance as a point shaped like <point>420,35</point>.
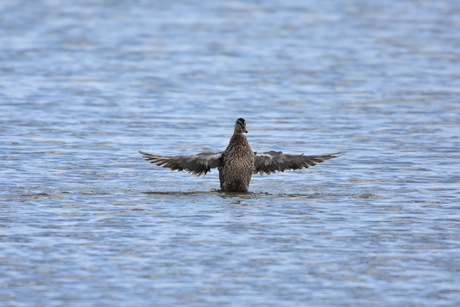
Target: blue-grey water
<point>86,222</point>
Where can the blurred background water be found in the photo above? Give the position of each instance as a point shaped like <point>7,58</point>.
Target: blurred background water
<point>86,222</point>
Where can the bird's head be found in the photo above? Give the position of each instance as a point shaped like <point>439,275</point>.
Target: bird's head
<point>240,126</point>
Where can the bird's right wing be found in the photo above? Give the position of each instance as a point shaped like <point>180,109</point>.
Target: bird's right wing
<point>197,165</point>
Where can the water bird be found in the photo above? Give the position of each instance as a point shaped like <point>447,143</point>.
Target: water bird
<point>238,162</point>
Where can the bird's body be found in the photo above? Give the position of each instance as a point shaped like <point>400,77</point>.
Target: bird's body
<point>237,163</point>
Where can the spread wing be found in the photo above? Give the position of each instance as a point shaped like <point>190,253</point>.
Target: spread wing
<point>276,161</point>
<point>198,164</point>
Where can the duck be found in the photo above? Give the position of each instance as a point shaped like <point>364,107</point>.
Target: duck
<point>238,162</point>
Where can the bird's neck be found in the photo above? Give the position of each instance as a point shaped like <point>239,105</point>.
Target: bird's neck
<point>239,138</point>
<point>238,131</point>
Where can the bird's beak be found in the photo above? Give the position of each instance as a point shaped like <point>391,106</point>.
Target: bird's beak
<point>245,130</point>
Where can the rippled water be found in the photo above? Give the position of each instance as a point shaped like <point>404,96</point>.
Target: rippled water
<point>86,222</point>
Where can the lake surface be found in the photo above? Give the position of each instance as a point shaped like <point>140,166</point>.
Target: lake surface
<point>85,221</point>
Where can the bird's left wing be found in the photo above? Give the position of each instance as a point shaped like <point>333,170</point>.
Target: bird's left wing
<point>276,161</point>
<point>197,165</point>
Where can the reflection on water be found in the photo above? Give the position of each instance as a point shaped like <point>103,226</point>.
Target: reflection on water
<point>86,222</point>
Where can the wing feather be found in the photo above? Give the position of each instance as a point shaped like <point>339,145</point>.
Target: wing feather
<point>276,161</point>
<point>197,165</point>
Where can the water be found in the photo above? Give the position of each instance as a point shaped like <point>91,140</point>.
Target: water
<point>86,222</point>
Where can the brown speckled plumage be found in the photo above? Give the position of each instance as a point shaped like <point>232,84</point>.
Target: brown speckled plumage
<point>237,165</point>
<point>237,162</point>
